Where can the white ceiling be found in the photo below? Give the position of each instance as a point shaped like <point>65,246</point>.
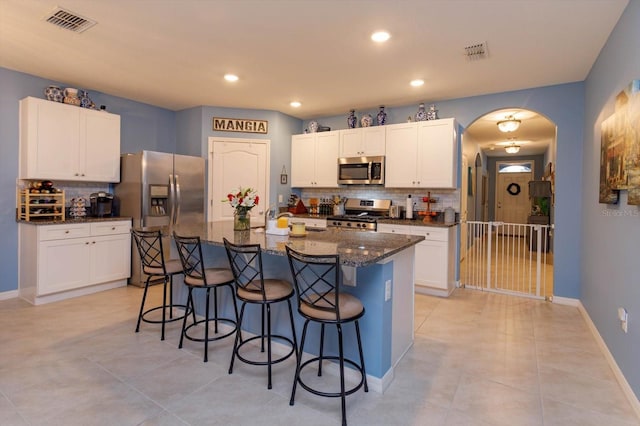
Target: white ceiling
<point>173,53</point>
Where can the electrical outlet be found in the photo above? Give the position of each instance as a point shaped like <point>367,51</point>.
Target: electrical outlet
<point>623,316</point>
<point>280,198</point>
<point>387,290</point>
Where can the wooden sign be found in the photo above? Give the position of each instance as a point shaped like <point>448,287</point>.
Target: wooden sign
<point>240,125</point>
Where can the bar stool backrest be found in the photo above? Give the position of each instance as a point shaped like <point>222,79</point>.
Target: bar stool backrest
<point>317,280</point>
<point>190,252</point>
<point>246,265</point>
<point>149,245</point>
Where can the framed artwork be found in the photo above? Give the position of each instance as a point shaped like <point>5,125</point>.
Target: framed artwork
<point>283,179</point>
<point>620,149</point>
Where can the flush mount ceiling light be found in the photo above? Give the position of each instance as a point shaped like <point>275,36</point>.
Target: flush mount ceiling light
<point>509,124</point>
<point>416,83</point>
<point>295,104</point>
<point>380,36</point>
<point>512,149</point>
<point>231,77</point>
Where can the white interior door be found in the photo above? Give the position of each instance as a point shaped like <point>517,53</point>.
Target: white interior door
<point>464,202</point>
<point>512,200</point>
<point>235,163</point>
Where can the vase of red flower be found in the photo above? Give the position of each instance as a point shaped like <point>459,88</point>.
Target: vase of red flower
<point>242,202</point>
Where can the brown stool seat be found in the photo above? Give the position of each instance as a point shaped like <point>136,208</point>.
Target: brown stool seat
<point>212,277</point>
<point>171,267</point>
<point>274,290</point>
<point>349,307</point>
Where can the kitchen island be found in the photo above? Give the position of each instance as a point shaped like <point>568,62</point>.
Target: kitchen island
<point>377,268</point>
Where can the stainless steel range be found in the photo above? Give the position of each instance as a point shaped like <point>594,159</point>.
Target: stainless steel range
<point>360,214</point>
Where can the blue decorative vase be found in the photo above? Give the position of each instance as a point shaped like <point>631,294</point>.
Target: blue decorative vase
<point>313,126</point>
<point>54,93</point>
<point>421,115</point>
<point>85,101</point>
<point>351,119</point>
<point>432,114</point>
<point>366,120</point>
<point>382,116</point>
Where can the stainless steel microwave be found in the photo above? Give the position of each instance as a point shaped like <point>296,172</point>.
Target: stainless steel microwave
<point>361,170</point>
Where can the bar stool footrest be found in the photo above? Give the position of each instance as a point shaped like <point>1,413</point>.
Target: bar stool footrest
<point>187,311</point>
<point>331,394</point>
<point>273,361</point>
<point>216,336</point>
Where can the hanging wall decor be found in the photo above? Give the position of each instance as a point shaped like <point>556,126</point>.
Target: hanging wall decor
<point>620,149</point>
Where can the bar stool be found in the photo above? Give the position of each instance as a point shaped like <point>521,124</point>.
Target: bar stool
<point>317,282</point>
<point>253,288</point>
<point>150,248</point>
<point>196,276</point>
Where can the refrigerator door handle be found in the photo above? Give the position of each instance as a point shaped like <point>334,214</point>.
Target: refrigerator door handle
<point>178,199</point>
<point>172,196</point>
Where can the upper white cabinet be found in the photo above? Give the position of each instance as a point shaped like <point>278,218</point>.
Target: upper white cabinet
<point>422,154</point>
<point>66,142</point>
<point>314,160</point>
<point>364,141</point>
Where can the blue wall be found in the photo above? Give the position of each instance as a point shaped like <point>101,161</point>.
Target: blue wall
<point>611,234</point>
<point>563,105</point>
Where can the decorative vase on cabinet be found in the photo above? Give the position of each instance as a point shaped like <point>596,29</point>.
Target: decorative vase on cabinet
<point>366,120</point>
<point>382,116</point>
<point>351,119</point>
<point>421,115</point>
<point>432,114</point>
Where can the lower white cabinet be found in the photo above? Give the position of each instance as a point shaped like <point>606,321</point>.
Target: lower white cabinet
<point>61,261</point>
<point>435,262</point>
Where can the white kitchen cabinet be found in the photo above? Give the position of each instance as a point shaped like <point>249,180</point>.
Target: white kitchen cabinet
<point>61,261</point>
<point>364,141</point>
<point>314,160</point>
<point>66,142</point>
<point>435,262</point>
<point>438,141</point>
<point>422,154</point>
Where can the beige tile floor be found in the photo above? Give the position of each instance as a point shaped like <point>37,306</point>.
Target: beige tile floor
<point>478,359</point>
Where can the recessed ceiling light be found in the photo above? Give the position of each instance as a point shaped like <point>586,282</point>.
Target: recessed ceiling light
<point>231,77</point>
<point>417,83</point>
<point>295,104</point>
<point>380,36</point>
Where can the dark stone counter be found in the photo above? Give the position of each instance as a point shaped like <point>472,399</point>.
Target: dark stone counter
<point>356,248</point>
<point>73,221</point>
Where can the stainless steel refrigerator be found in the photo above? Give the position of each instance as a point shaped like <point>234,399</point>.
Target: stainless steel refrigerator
<point>159,190</point>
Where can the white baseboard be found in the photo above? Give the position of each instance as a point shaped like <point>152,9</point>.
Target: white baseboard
<point>568,301</point>
<point>11,294</point>
<point>626,389</point>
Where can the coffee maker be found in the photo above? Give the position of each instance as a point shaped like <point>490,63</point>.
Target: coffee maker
<point>101,204</point>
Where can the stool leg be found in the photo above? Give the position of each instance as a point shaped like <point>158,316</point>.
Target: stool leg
<point>293,328</point>
<point>184,320</point>
<point>262,331</point>
<point>238,338</point>
<point>164,305</point>
<point>144,297</point>
<point>215,309</point>
<point>206,328</point>
<point>341,357</point>
<point>298,362</point>
<point>171,296</point>
<point>193,307</point>
<point>321,349</point>
<point>364,372</point>
<point>235,306</point>
<point>269,344</point>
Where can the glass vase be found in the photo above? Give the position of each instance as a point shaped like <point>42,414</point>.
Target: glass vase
<point>241,221</point>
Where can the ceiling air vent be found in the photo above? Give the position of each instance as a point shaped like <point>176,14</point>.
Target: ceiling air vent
<point>69,21</point>
<point>476,51</point>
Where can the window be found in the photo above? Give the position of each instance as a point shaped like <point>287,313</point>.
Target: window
<point>525,167</point>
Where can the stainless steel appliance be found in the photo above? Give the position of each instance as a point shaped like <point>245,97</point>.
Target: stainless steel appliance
<point>360,214</point>
<point>101,204</point>
<point>159,190</point>
<point>361,170</point>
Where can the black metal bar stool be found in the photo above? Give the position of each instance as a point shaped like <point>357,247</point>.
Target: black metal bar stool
<point>253,288</point>
<point>150,248</point>
<point>317,282</point>
<point>196,276</point>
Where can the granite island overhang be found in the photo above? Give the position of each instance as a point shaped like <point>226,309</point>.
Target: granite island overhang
<point>377,268</point>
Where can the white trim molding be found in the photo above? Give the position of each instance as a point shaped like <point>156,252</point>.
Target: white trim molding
<point>6,295</point>
<point>626,389</point>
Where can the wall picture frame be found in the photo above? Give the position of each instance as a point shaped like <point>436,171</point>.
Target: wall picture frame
<point>283,179</point>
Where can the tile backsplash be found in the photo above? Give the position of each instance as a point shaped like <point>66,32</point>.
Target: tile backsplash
<point>445,197</point>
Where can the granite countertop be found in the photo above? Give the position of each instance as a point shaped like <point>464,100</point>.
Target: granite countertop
<point>356,248</point>
<point>72,221</point>
<point>386,220</point>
